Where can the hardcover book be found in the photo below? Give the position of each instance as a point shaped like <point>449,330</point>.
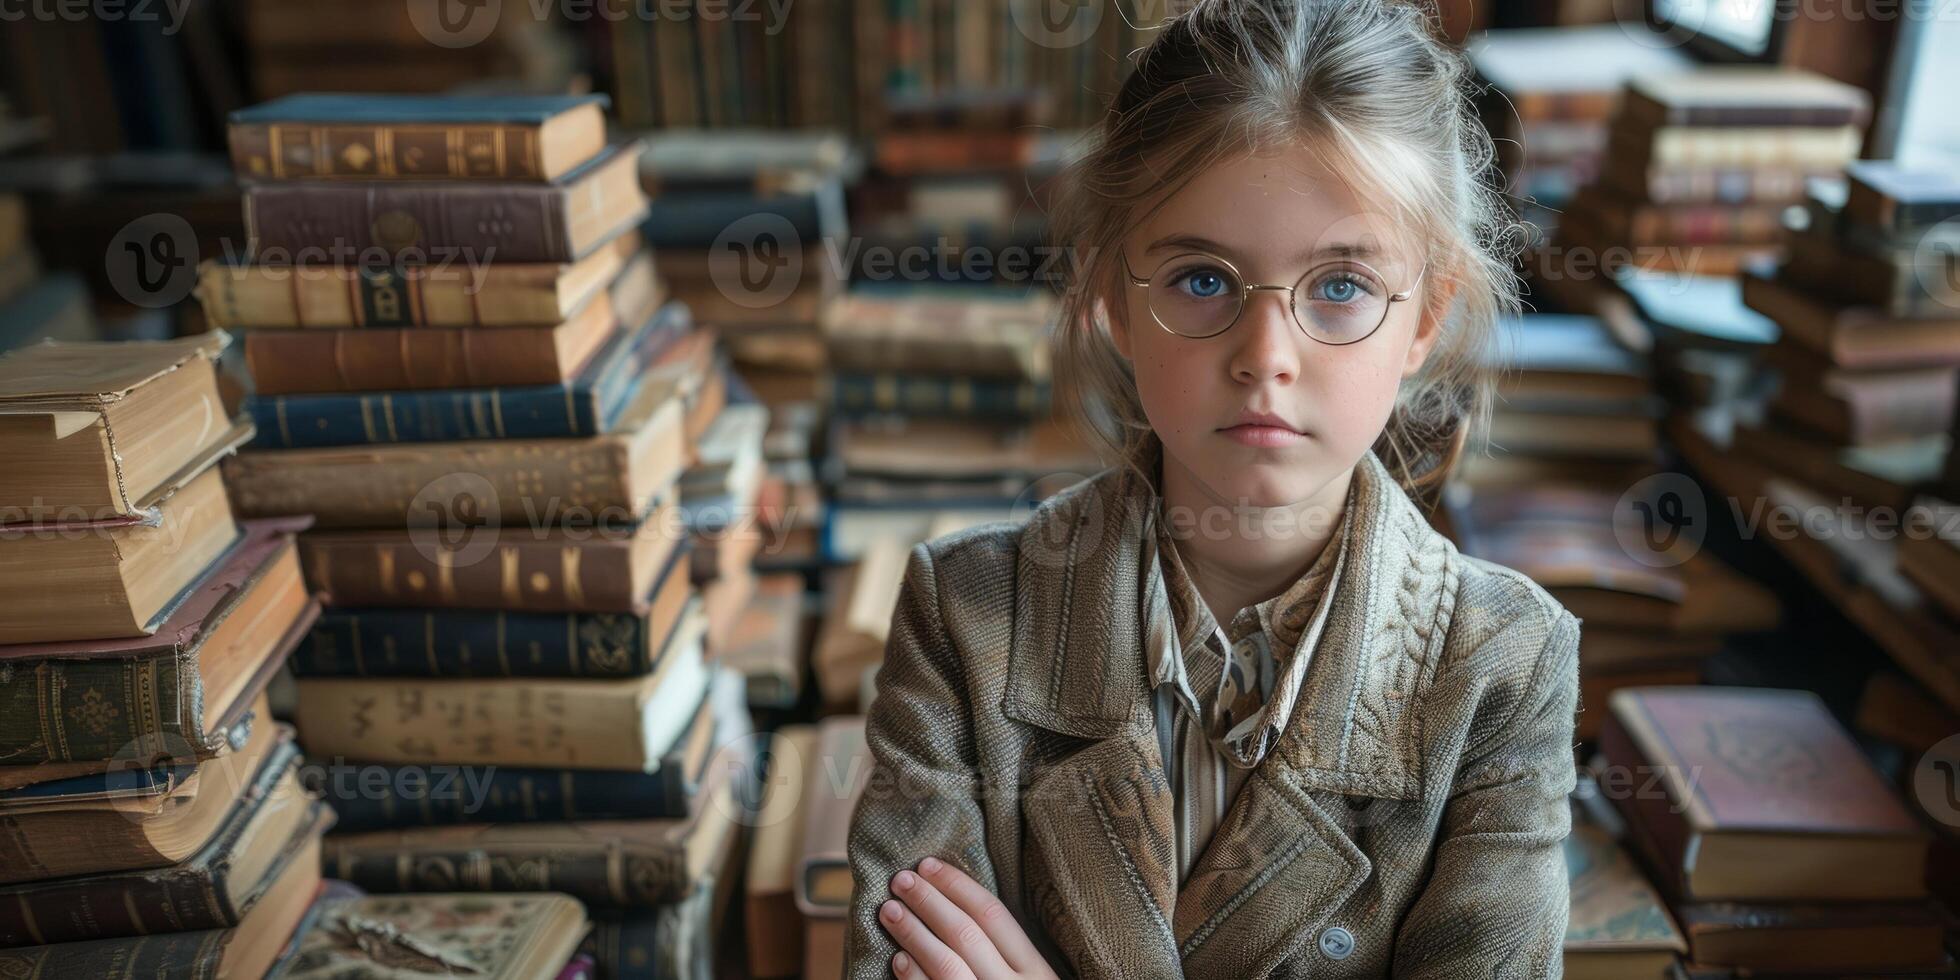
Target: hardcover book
<point>506,137</point>
<point>1618,926</point>
<point>518,936</point>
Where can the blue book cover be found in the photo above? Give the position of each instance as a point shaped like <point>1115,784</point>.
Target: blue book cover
<point>319,107</point>
<point>854,394</point>
<point>590,405</point>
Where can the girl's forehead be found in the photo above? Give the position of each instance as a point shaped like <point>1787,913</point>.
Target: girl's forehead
<point>1278,207</point>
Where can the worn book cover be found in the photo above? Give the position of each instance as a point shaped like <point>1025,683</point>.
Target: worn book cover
<point>406,937</point>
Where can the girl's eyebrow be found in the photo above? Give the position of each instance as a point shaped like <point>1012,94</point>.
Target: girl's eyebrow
<point>1326,250</point>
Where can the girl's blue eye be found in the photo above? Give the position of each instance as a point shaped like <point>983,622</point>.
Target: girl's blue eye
<point>1338,290</point>
<point>1205,284</point>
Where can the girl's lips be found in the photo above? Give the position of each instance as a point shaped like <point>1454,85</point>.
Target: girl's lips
<point>1263,436</point>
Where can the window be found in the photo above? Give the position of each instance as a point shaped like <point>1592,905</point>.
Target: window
<point>1741,26</point>
<point>1918,126</point>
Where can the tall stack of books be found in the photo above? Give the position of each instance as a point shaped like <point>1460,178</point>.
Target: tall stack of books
<point>1700,165</point>
<point>1778,846</point>
<point>155,819</point>
<point>515,657</point>
<point>34,306</point>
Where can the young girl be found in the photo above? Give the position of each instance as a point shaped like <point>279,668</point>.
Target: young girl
<point>1232,708</point>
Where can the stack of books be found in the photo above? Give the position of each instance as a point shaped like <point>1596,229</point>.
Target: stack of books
<point>799,873</point>
<point>1868,356</point>
<point>36,306</point>
<point>1778,846</point>
<point>1550,94</point>
<point>719,504</point>
<point>381,46</point>
<point>155,818</point>
<point>1701,165</point>
<point>494,467</point>
<point>522,936</point>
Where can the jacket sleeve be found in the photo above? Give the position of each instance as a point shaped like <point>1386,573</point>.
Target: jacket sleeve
<point>1496,903</point>
<point>922,799</point>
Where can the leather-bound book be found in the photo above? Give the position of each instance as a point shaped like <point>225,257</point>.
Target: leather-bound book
<point>1856,337</point>
<point>1816,939</point>
<point>491,137</point>
<point>523,936</point>
<point>1900,201</point>
<point>1618,926</point>
<point>1757,795</point>
<point>171,695</point>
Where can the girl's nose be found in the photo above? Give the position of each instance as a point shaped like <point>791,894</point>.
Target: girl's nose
<point>1267,340</point>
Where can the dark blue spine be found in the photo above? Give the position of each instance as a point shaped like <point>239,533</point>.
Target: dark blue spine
<point>473,643</point>
<point>375,797</point>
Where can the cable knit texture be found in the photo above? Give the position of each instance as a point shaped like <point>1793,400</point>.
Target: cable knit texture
<point>1407,823</point>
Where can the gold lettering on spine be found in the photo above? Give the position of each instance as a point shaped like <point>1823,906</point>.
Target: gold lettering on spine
<point>568,561</point>
<point>384,557</point>
<point>510,585</point>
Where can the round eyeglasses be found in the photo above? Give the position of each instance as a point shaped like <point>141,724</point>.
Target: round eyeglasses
<point>1198,295</point>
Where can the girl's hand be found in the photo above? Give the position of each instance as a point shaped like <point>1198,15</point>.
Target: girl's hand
<point>950,928</point>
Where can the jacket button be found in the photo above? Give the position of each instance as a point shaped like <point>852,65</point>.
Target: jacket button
<point>1336,942</point>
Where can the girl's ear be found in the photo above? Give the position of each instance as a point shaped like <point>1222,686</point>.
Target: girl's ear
<point>1429,329</point>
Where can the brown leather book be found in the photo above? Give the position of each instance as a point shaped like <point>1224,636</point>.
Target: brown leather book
<point>420,222</point>
<point>212,889</point>
<point>444,295</point>
<point>526,936</point>
<point>1814,939</point>
<point>774,926</point>
<point>624,724</point>
<point>1857,337</point>
<point>98,430</point>
<point>112,579</point>
<point>929,332</point>
<point>1743,95</point>
<point>416,137</point>
<point>823,870</point>
<point>611,477</point>
<point>247,950</point>
<point>90,824</point>
<point>768,645</point>
<point>1873,476</point>
<point>171,695</point>
<point>603,863</point>
<point>1618,925</point>
<point>286,362</point>
<point>1756,794</point>
<point>1862,408</point>
<point>459,562</point>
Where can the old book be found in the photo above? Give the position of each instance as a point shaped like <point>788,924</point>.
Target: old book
<point>285,362</point>
<point>452,561</point>
<point>128,817</point>
<point>603,863</point>
<point>456,294</point>
<point>958,448</point>
<point>1896,279</point>
<point>507,137</point>
<point>1618,925</point>
<point>173,694</point>
<point>381,642</point>
<point>863,393</point>
<point>1556,362</point>
<point>1835,938</point>
<point>1676,147</point>
<point>1572,434</point>
<point>425,221</point>
<point>837,775</point>
<point>602,478</point>
<point>1862,408</point>
<point>1743,95</point>
<point>1852,336</point>
<point>589,404</point>
<point>519,936</point>
<point>672,941</point>
<point>625,724</point>
<point>211,889</point>
<point>1898,200</point>
<point>112,580</point>
<point>1783,806</point>
<point>774,926</point>
<point>767,645</point>
<point>246,950</point>
<point>95,430</point>
<point>1629,221</point>
<point>860,600</point>
<point>1929,553</point>
<point>370,797</point>
<point>1874,476</point>
<point>924,330</point>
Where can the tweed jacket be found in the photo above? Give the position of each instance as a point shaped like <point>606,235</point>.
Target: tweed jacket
<point>1407,823</point>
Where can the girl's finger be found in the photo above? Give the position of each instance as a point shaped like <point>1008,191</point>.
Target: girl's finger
<point>930,957</point>
<point>950,925</point>
<point>987,910</point>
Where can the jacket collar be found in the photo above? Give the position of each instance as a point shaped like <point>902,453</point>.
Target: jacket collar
<point>1077,665</point>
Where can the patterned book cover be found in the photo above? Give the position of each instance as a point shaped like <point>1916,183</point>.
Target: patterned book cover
<point>1614,907</point>
<point>406,937</point>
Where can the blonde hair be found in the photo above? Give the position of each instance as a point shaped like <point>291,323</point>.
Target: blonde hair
<point>1357,81</point>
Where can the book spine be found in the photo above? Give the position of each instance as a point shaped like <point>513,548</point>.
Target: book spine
<point>958,397</point>
<point>260,296</point>
<point>662,943</point>
<point>169,956</point>
<point>476,151</point>
<point>521,482</point>
<point>602,874</point>
<point>411,222</point>
<point>92,710</point>
<point>286,362</point>
<point>316,421</point>
<point>391,797</point>
<point>473,643</point>
<point>518,571</point>
<point>693,220</point>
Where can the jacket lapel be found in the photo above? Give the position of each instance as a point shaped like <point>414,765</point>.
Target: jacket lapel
<point>1280,858</point>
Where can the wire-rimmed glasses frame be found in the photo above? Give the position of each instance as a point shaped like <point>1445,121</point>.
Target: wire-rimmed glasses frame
<point>1245,290</point>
